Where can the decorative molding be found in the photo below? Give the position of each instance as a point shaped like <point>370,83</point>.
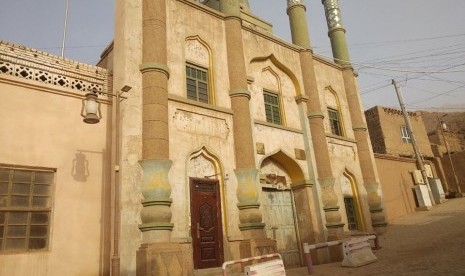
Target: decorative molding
<point>341,138</point>
<point>35,65</point>
<point>316,114</point>
<point>239,92</point>
<point>183,100</point>
<point>393,111</point>
<point>301,99</point>
<point>153,66</point>
<point>263,123</point>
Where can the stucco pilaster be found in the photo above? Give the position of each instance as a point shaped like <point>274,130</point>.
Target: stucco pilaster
<point>301,37</point>
<point>248,190</point>
<point>156,189</point>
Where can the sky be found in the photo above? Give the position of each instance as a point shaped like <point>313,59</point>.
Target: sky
<point>419,43</point>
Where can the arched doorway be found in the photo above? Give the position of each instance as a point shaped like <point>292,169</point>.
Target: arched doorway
<point>205,177</point>
<point>277,172</point>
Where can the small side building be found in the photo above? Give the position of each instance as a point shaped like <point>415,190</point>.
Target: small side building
<point>389,133</point>
<point>395,157</point>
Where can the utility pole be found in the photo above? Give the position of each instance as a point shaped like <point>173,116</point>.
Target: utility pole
<point>459,191</point>
<point>416,149</point>
<point>64,30</point>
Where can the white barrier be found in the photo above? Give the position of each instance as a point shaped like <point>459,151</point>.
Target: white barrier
<point>357,252</point>
<point>352,260</point>
<point>273,267</point>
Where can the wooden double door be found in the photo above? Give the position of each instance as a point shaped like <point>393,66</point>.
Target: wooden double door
<point>206,223</point>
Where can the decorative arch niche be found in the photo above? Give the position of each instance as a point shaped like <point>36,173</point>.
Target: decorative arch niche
<point>199,53</point>
<point>349,188</point>
<point>282,67</point>
<point>284,162</point>
<point>332,102</point>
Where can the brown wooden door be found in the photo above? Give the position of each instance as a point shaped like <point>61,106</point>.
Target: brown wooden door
<point>206,230</point>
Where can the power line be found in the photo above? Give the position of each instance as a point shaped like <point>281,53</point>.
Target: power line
<point>440,94</point>
<point>401,70</point>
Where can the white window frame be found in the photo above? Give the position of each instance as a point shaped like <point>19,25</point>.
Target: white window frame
<point>406,138</point>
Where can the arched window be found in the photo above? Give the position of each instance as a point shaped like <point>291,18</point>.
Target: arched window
<point>199,72</point>
<point>272,107</point>
<point>197,83</point>
<point>272,96</point>
<point>335,121</point>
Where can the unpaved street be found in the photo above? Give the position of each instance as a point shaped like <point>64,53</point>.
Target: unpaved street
<point>424,243</point>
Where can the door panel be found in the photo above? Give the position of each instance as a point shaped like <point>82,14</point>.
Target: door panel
<point>206,230</point>
<point>280,225</point>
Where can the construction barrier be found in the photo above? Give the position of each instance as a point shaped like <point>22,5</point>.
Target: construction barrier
<point>357,252</point>
<point>352,248</point>
<point>273,267</point>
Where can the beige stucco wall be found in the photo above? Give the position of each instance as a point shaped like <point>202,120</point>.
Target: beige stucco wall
<point>391,122</point>
<point>196,128</point>
<point>42,127</point>
<point>397,184</point>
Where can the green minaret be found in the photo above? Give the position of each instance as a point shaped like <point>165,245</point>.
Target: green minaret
<point>336,33</point>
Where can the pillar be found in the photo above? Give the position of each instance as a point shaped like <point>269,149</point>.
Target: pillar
<point>336,33</point>
<point>156,213</point>
<point>248,188</point>
<point>300,36</point>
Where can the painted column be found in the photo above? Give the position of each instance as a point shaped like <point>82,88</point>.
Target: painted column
<point>300,36</point>
<point>246,173</point>
<point>336,33</point>
<point>156,214</point>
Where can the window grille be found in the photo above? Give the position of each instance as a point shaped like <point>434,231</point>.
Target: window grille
<point>351,213</point>
<point>272,108</point>
<point>197,83</point>
<point>405,135</point>
<point>25,209</point>
<point>335,122</point>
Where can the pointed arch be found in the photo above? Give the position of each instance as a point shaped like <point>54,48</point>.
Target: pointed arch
<point>335,109</point>
<point>211,69</point>
<point>290,165</point>
<point>208,155</point>
<point>355,194</point>
<point>274,93</point>
<point>282,67</point>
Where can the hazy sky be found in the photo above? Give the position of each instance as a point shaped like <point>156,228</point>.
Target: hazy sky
<point>403,39</point>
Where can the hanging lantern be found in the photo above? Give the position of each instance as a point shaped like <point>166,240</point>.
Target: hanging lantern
<point>91,109</point>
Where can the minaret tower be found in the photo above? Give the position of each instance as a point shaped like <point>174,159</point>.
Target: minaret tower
<point>300,36</point>
<point>336,33</point>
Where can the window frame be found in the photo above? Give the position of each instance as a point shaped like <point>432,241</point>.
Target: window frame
<point>351,213</point>
<point>337,129</point>
<point>19,220</point>
<point>405,135</point>
<point>197,82</point>
<point>275,108</point>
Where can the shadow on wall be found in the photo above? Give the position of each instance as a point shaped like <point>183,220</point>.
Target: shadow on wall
<point>80,169</point>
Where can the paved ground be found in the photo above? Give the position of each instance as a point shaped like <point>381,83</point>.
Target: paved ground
<point>423,243</point>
